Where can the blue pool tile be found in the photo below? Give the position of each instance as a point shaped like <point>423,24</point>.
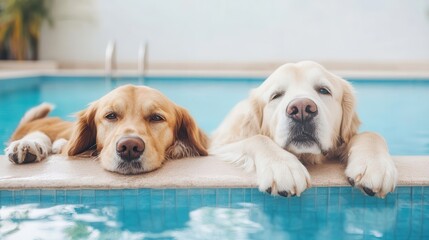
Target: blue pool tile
<point>195,198</point>
<point>403,190</point>
<point>18,196</point>
<point>308,202</point>
<point>157,198</point>
<point>144,198</point>
<point>248,194</point>
<point>390,199</point>
<point>321,200</point>
<point>181,198</point>
<point>223,197</point>
<point>170,200</point>
<point>185,191</point>
<point>309,192</point>
<point>346,198</point>
<point>88,196</point>
<point>334,204</point>
<point>116,197</point>
<point>60,196</point>
<point>209,197</point>
<point>102,193</point>
<point>334,190</point>
<point>72,196</point>
<point>356,190</point>
<point>237,195</point>
<point>7,197</point>
<point>271,202</point>
<point>116,192</point>
<point>425,227</point>
<point>426,190</point>
<point>372,201</point>
<point>194,191</point>
<point>257,196</point>
<point>47,197</point>
<point>346,190</point>
<point>31,196</point>
<point>130,192</point>
<point>282,204</point>
<point>144,192</point>
<point>295,202</point>
<point>130,198</point>
<point>322,191</point>
<point>102,197</point>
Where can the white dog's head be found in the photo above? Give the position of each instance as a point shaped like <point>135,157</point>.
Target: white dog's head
<point>305,109</point>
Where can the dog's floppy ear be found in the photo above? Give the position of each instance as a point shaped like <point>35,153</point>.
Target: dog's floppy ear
<point>84,132</point>
<point>244,120</point>
<point>189,140</point>
<point>350,120</point>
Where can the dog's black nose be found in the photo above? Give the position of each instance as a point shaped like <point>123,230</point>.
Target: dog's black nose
<point>302,109</point>
<point>130,148</point>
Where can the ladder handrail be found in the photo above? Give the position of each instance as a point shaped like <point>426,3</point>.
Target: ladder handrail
<point>141,61</point>
<point>110,63</point>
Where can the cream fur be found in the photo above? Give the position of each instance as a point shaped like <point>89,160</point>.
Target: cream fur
<point>256,133</point>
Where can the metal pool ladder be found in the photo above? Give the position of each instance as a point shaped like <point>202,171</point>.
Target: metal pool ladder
<point>110,62</point>
<point>141,62</point>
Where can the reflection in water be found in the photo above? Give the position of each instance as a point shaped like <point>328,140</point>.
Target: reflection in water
<point>375,222</point>
<point>223,214</point>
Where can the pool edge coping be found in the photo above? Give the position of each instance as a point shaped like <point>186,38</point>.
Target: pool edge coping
<point>59,172</point>
<point>355,74</point>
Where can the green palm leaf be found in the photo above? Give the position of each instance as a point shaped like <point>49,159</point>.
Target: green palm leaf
<point>20,23</point>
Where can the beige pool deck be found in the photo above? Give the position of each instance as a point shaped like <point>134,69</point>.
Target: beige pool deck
<point>58,172</point>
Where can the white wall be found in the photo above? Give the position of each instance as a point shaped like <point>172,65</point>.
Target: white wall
<point>239,30</point>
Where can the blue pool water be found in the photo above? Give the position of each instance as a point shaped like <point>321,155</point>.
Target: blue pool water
<point>398,109</point>
<point>320,213</point>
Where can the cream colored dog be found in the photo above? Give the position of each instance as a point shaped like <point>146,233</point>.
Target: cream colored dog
<point>303,114</point>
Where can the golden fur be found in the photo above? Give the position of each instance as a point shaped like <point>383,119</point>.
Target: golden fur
<point>175,136</point>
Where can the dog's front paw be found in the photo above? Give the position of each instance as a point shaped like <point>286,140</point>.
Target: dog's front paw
<point>58,145</point>
<point>27,151</point>
<point>374,175</point>
<point>285,176</point>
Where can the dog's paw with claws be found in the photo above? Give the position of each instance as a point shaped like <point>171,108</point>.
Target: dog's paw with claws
<point>285,176</point>
<point>376,177</point>
<point>30,149</point>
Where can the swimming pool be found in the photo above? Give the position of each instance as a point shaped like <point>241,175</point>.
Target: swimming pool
<point>397,109</point>
<point>320,213</point>
<point>211,213</point>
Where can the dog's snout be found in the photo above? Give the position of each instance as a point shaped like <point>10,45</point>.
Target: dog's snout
<point>130,148</point>
<point>302,109</point>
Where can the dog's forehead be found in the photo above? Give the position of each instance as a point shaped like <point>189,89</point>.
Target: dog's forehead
<point>307,73</point>
<point>139,96</point>
<point>290,73</point>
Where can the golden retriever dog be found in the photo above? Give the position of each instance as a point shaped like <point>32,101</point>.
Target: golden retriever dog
<point>303,114</point>
<point>132,129</point>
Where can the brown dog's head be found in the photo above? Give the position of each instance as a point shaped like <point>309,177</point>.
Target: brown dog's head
<point>134,129</point>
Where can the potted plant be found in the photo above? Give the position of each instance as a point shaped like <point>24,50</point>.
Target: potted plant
<point>20,23</point>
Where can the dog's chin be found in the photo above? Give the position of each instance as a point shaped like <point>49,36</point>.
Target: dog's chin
<point>303,145</point>
<point>129,168</point>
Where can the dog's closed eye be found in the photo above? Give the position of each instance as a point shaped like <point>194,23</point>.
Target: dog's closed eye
<point>324,91</point>
<point>276,95</point>
<point>112,116</point>
<point>155,118</point>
